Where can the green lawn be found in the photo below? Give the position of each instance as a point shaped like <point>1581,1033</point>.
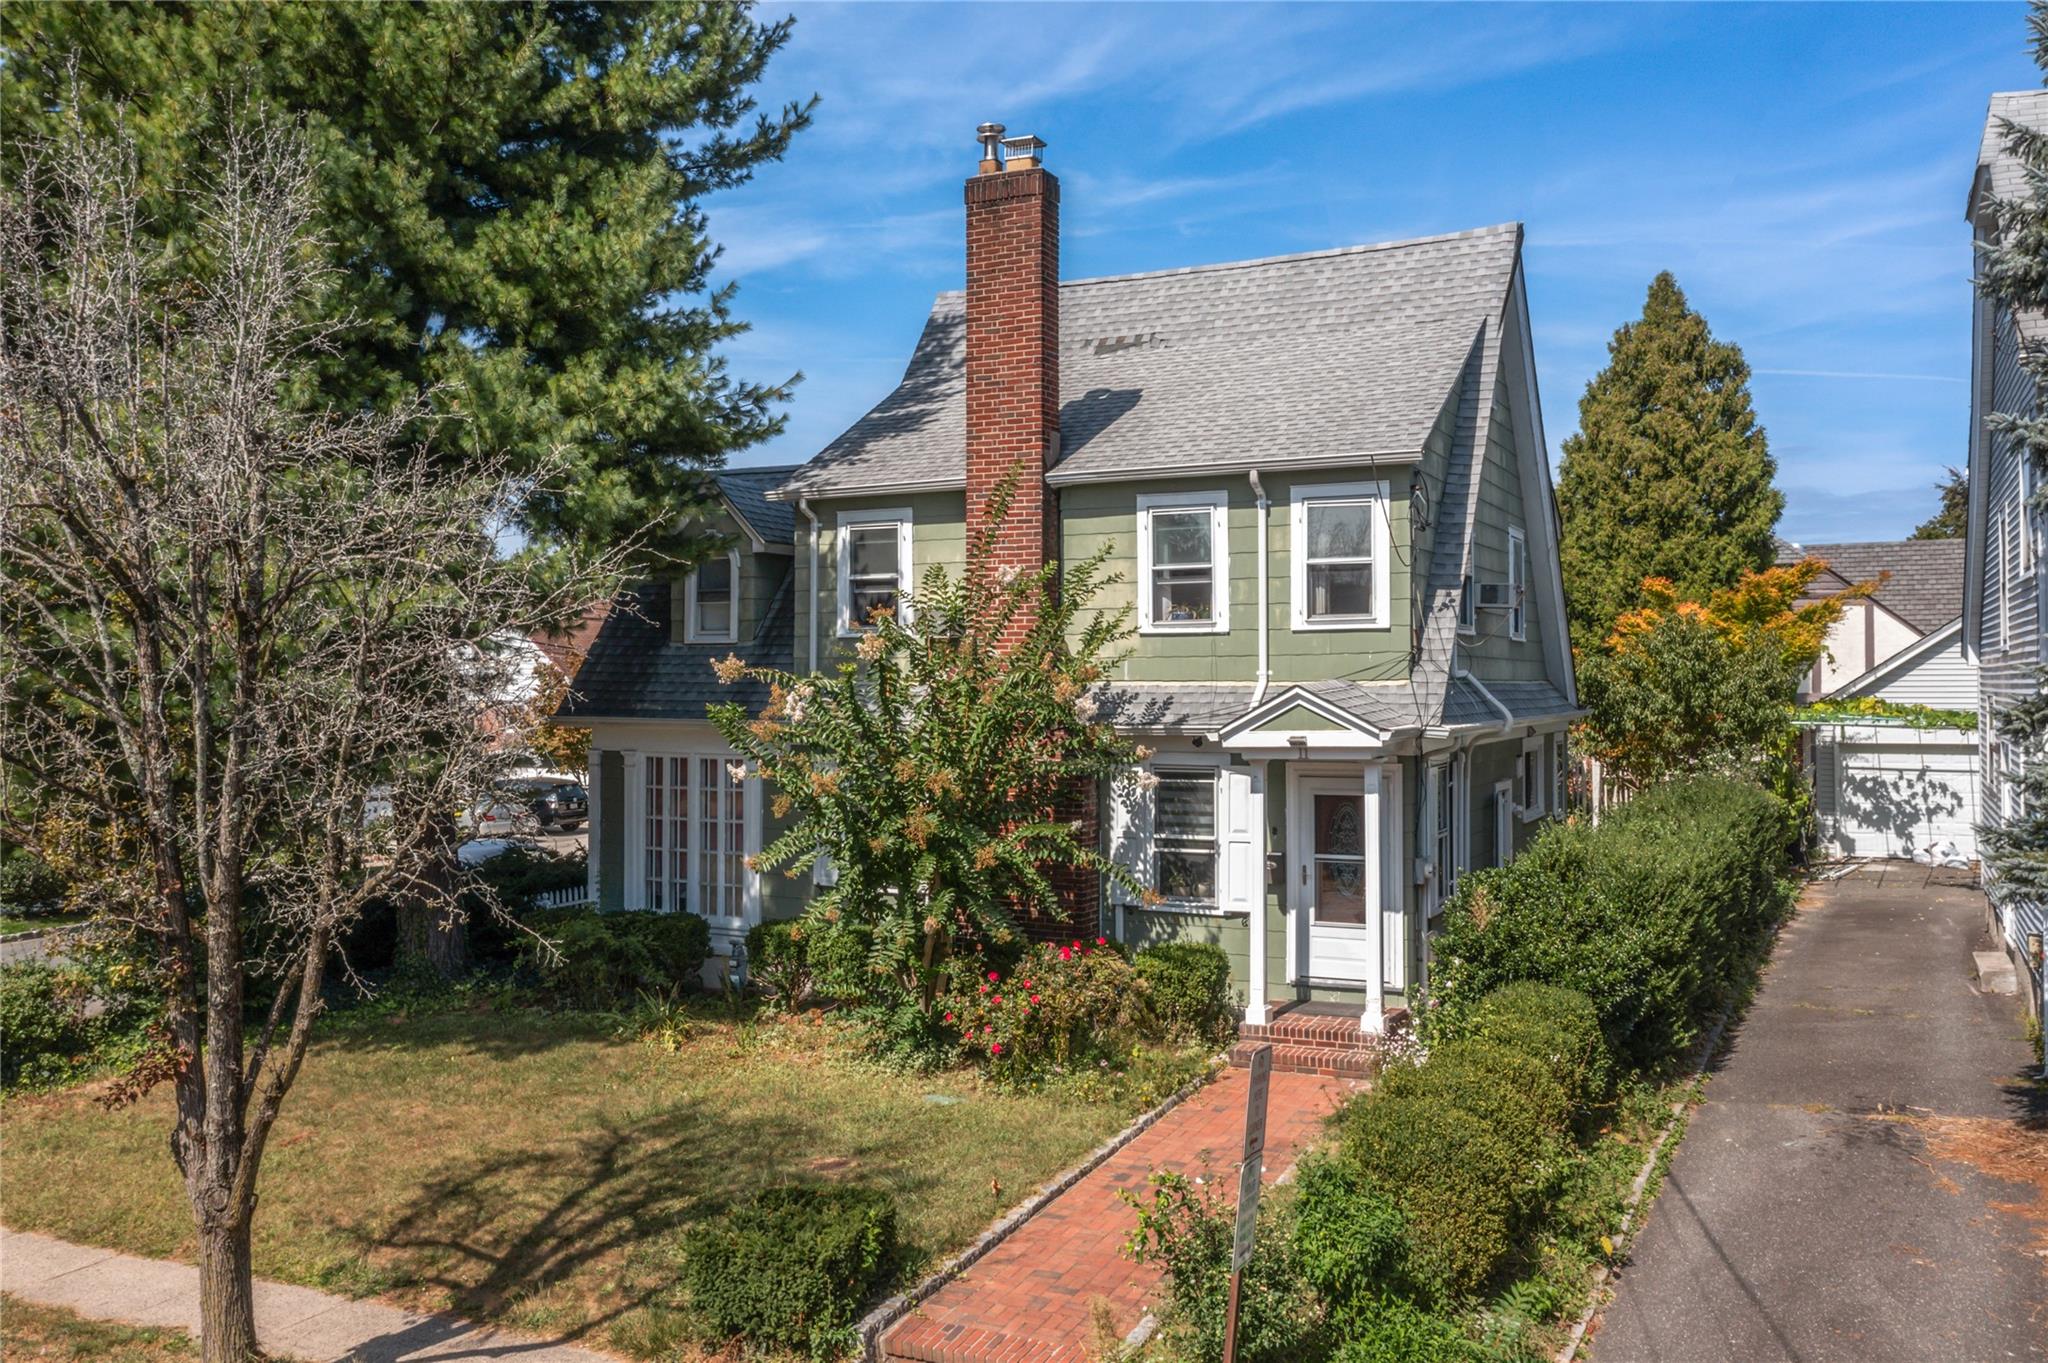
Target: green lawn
<point>51,1334</point>
<point>11,923</point>
<point>535,1170</point>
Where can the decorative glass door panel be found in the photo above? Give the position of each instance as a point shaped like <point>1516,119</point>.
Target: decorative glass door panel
<point>1339,848</point>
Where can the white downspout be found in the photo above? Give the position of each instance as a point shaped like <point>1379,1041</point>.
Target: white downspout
<point>1507,716</point>
<point>803,504</point>
<point>1259,693</point>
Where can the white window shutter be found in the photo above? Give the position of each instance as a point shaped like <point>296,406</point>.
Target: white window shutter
<point>1238,817</point>
<point>1130,832</point>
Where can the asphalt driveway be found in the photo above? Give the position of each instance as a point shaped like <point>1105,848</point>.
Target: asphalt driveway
<point>1868,1178</point>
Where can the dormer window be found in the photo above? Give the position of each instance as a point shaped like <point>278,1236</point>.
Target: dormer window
<point>874,565</point>
<point>1183,563</point>
<point>1339,556</point>
<point>714,601</point>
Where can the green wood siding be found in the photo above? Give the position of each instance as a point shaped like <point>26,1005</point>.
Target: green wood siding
<point>1491,653</point>
<point>760,575</point>
<point>609,829</point>
<point>937,536</point>
<point>1095,517</point>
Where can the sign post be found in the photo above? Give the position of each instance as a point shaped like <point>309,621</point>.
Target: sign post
<point>1248,1188</point>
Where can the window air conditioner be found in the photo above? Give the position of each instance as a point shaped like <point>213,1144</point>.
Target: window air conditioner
<point>1495,596</point>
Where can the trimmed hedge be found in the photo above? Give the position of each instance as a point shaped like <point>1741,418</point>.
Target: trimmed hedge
<point>1190,984</point>
<point>1514,1094</point>
<point>28,885</point>
<point>1455,1180</point>
<point>1647,913</point>
<point>1559,1027</point>
<point>776,958</point>
<point>793,1268</point>
<point>601,960</point>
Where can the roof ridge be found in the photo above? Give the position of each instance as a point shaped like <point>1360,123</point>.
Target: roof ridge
<point>755,468</point>
<point>1327,252</point>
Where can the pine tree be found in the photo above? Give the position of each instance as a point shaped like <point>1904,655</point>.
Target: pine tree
<point>513,194</point>
<point>1668,475</point>
<point>1948,523</point>
<point>2013,273</point>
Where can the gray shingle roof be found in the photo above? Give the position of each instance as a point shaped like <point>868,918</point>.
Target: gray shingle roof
<point>1926,585</point>
<point>747,489</point>
<point>634,670</point>
<point>1290,360</point>
<point>1209,706</point>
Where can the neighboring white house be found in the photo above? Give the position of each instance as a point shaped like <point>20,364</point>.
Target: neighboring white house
<point>2002,630</point>
<point>1882,787</point>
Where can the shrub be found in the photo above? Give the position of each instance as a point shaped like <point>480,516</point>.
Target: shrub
<point>1349,1234</point>
<point>1187,1228</point>
<point>46,1036</point>
<point>1454,1179</point>
<point>793,1268</point>
<point>1190,985</point>
<point>1650,914</point>
<point>1559,1027</point>
<point>29,885</point>
<point>775,957</point>
<point>1515,1095</point>
<point>839,958</point>
<point>603,960</point>
<point>1392,1330</point>
<point>1057,1006</point>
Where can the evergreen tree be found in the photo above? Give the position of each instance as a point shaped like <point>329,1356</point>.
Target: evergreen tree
<point>1949,522</point>
<point>2013,273</point>
<point>1668,475</point>
<point>512,194</point>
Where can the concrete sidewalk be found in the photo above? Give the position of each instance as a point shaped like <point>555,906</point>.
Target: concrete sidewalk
<point>1867,1181</point>
<point>295,1322</point>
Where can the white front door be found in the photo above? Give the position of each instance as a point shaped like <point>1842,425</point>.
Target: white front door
<point>1336,881</point>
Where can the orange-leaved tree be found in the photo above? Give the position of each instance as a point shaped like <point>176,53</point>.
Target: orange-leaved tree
<point>1682,686</point>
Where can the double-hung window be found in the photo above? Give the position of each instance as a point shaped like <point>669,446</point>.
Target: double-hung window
<point>714,601</point>
<point>1468,614</point>
<point>1183,563</point>
<point>1184,850</point>
<point>1560,775</point>
<point>1443,848</point>
<point>1529,779</point>
<point>1340,566</point>
<point>874,566</point>
<point>1518,584</point>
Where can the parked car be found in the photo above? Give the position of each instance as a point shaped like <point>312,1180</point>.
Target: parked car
<point>547,803</point>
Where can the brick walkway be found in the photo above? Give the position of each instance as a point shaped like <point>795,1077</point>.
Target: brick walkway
<point>1028,1300</point>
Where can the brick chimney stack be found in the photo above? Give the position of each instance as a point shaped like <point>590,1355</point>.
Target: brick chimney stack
<point>1013,341</point>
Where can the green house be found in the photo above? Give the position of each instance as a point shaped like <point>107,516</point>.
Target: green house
<point>1324,479</point>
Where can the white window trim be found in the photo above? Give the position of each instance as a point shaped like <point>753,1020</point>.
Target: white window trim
<point>898,516</point>
<point>695,633</point>
<point>1503,799</point>
<point>1560,774</point>
<point>1382,574</point>
<point>1529,779</point>
<point>1219,560</point>
<point>1468,608</point>
<point>1518,584</point>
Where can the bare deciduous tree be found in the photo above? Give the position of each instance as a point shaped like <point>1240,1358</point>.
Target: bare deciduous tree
<point>233,627</point>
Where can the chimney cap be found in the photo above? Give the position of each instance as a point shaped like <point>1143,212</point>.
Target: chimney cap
<point>991,135</point>
<point>1027,149</point>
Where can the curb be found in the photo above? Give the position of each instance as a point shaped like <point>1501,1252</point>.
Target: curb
<point>877,1322</point>
<point>32,935</point>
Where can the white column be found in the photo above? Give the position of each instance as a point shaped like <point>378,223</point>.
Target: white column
<point>1374,1019</point>
<point>593,833</point>
<point>633,894</point>
<point>1255,921</point>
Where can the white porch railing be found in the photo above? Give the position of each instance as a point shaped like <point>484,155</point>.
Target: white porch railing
<point>568,897</point>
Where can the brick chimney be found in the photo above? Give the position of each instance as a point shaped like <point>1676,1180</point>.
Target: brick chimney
<point>1013,340</point>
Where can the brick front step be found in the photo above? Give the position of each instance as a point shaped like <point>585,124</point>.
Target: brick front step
<point>1354,1062</point>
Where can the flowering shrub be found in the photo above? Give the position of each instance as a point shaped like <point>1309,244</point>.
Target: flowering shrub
<point>1056,1007</point>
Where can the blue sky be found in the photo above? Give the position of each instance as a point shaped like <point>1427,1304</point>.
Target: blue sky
<point>1802,169</point>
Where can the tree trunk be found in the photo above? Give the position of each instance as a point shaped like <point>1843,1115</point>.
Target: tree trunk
<point>227,1300</point>
<point>427,932</point>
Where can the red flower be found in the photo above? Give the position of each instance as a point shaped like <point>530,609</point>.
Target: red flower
<point>995,1048</point>
<point>1034,998</point>
<point>997,1000</point>
<point>1102,941</point>
<point>1077,944</point>
<point>1027,984</point>
<point>984,989</point>
<point>993,977</point>
<point>949,1017</point>
<point>986,1030</point>
<point>1065,954</point>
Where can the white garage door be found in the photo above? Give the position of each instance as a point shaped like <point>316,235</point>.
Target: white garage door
<point>1896,792</point>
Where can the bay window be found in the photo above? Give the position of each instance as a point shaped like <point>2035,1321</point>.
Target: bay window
<point>1183,563</point>
<point>1340,560</point>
